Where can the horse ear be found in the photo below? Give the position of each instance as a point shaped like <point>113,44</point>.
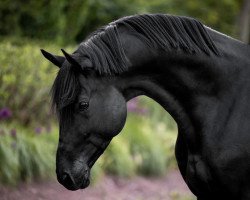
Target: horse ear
<point>56,60</point>
<point>72,60</point>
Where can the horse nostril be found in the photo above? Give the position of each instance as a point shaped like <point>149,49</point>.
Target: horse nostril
<point>67,180</point>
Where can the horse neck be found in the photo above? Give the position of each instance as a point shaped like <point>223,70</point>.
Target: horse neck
<point>189,87</point>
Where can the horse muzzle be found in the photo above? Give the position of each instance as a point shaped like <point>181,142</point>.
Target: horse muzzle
<point>73,180</point>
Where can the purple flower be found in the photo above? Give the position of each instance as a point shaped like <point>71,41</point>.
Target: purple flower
<point>13,133</point>
<point>5,113</point>
<point>134,107</point>
<point>38,130</point>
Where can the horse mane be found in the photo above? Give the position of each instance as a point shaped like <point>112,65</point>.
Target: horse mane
<point>104,49</point>
<point>159,31</point>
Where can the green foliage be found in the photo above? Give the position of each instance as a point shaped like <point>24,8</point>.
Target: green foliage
<point>25,80</point>
<point>34,19</point>
<point>35,160</point>
<point>142,148</point>
<point>70,21</point>
<point>118,159</point>
<point>26,156</point>
<point>146,147</point>
<point>9,167</point>
<point>58,20</point>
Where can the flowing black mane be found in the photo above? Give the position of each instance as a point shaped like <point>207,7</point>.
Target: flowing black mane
<point>158,31</point>
<point>105,51</point>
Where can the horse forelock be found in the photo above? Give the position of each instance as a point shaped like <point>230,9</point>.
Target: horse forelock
<point>64,91</point>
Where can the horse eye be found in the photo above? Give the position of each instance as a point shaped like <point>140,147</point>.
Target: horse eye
<point>83,105</point>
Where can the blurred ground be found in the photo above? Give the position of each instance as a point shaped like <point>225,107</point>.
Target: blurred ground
<point>109,188</point>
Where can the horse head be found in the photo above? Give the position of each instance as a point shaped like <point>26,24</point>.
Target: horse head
<point>91,112</point>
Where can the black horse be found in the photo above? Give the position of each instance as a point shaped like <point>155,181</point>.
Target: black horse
<point>200,76</point>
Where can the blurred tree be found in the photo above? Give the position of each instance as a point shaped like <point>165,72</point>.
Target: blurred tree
<point>33,19</point>
<point>70,21</point>
<point>73,18</point>
<point>25,81</point>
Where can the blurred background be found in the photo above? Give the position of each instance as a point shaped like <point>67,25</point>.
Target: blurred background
<point>28,128</point>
